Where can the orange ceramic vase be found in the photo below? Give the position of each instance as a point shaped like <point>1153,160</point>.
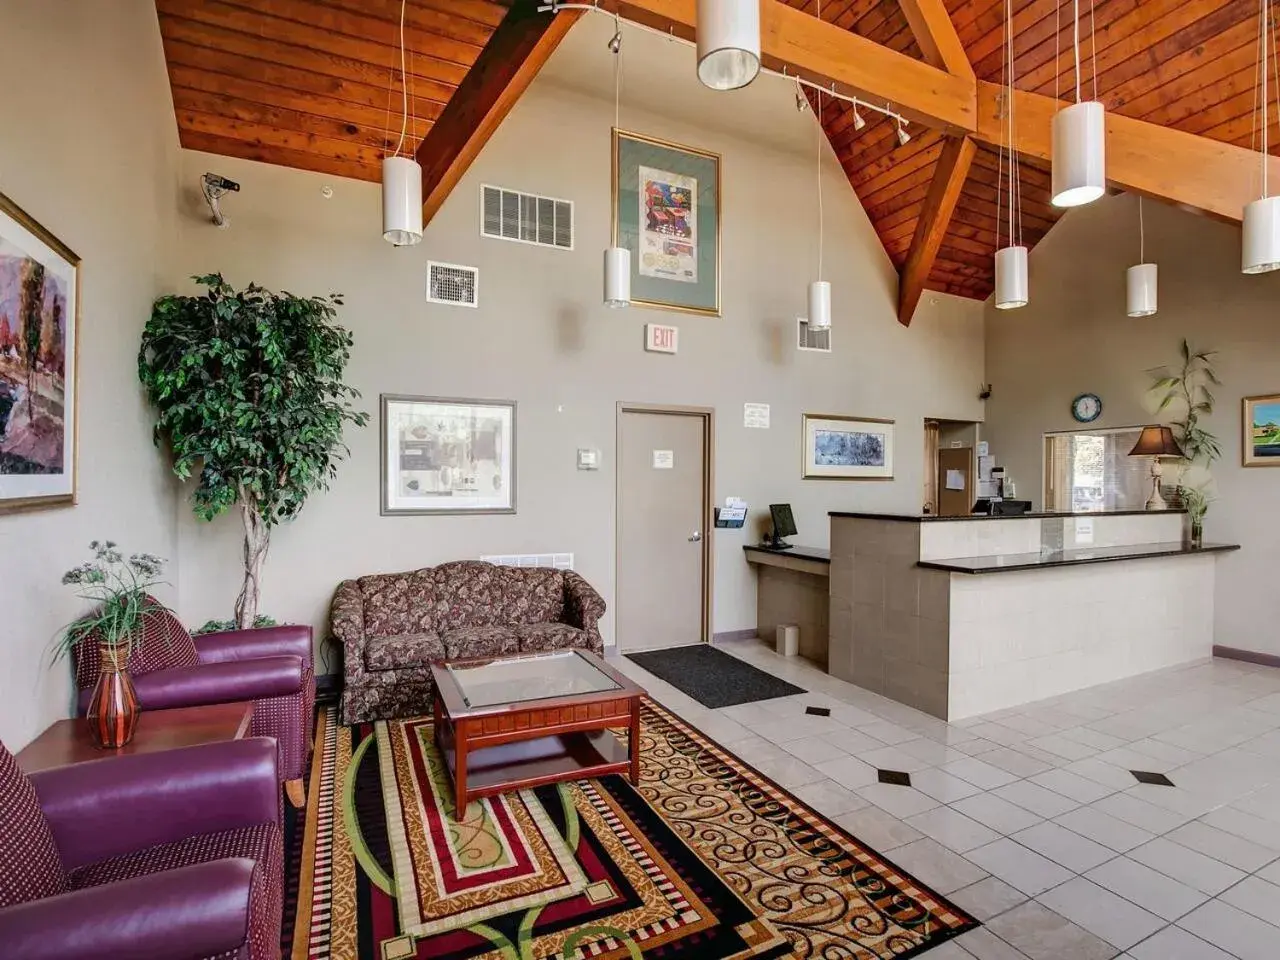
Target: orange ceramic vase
<point>113,707</point>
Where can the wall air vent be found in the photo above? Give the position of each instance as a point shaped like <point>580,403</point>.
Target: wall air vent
<point>815,341</point>
<point>557,561</point>
<point>452,283</point>
<point>526,218</point>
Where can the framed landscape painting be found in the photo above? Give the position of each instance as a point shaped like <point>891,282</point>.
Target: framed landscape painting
<point>666,211</point>
<point>442,455</point>
<point>1262,431</point>
<point>39,324</point>
<point>847,448</point>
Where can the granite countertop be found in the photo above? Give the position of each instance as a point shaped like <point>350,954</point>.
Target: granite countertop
<point>1006,562</point>
<point>1042,515</point>
<point>817,554</point>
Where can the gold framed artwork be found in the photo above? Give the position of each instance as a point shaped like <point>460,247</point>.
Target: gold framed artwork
<point>846,448</point>
<point>39,336</point>
<point>442,455</point>
<point>666,211</point>
<point>1261,441</point>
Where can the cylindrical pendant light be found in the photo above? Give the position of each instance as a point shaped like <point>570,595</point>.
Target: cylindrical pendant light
<point>819,305</point>
<point>728,43</point>
<point>1011,278</point>
<point>1141,279</point>
<point>1261,235</point>
<point>617,277</point>
<point>401,201</point>
<point>1079,154</point>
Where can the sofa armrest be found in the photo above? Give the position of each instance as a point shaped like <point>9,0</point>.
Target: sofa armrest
<point>583,605</point>
<point>169,795</point>
<point>346,619</point>
<point>288,640</point>
<point>196,911</point>
<point>215,683</point>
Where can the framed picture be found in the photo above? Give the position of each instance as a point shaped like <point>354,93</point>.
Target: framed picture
<point>1262,431</point>
<point>666,211</point>
<point>847,448</point>
<point>39,330</point>
<point>442,455</point>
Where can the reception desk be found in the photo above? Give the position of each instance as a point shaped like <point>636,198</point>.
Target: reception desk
<point>791,587</point>
<point>963,616</point>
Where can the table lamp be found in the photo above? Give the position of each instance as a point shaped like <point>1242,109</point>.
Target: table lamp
<point>1156,442</point>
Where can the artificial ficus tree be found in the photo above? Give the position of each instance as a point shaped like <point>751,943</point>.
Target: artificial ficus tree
<point>248,391</point>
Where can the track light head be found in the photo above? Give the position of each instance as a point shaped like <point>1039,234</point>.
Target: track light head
<point>802,104</point>
<point>615,42</point>
<point>903,137</point>
<point>858,120</point>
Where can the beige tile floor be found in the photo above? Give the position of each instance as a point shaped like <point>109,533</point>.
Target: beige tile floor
<point>1030,819</point>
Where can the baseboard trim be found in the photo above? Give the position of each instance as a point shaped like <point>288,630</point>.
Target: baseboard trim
<point>730,635</point>
<point>1248,656</point>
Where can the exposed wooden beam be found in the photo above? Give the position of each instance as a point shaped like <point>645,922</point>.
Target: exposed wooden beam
<point>935,33</point>
<point>1185,169</point>
<point>520,45</point>
<point>826,53</point>
<point>931,227</point>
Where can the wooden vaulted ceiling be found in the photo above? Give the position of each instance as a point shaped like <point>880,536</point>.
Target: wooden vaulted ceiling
<point>312,84</point>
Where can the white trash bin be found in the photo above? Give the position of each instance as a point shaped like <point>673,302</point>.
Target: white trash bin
<point>788,644</point>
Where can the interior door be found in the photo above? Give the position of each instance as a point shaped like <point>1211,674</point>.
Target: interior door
<point>955,481</point>
<point>661,537</point>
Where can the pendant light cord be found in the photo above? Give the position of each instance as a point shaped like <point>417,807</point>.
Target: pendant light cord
<point>404,86</point>
<point>617,98</point>
<point>1262,49</point>
<point>818,116</point>
<point>1075,35</point>
<point>1142,234</point>
<point>1007,164</point>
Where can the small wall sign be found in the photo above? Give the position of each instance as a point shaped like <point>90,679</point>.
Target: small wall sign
<point>664,459</point>
<point>755,415</point>
<point>661,339</point>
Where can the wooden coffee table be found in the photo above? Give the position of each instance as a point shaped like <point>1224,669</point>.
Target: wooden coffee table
<point>68,741</point>
<point>506,723</point>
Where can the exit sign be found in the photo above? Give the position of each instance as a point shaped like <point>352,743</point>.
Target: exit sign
<point>661,339</point>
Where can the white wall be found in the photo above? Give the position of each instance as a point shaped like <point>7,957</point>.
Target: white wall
<point>90,151</point>
<point>542,337</point>
<point>1074,338</point>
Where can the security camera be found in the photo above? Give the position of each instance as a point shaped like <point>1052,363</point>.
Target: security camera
<point>214,186</point>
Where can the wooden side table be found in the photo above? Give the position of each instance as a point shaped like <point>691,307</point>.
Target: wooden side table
<point>68,741</point>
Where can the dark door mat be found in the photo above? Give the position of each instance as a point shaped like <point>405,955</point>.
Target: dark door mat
<point>713,677</point>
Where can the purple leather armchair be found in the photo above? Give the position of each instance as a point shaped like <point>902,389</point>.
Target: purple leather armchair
<point>271,666</point>
<point>158,856</point>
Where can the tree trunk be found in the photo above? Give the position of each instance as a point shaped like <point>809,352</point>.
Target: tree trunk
<point>257,537</point>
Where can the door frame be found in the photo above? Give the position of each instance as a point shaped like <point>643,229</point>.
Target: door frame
<point>708,417</point>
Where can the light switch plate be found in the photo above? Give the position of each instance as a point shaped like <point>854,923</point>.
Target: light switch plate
<point>588,459</point>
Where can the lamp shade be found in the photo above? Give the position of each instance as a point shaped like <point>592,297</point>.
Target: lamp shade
<point>1079,154</point>
<point>819,305</point>
<point>617,277</point>
<point>1141,280</point>
<point>728,43</point>
<point>401,201</point>
<point>1011,278</point>
<point>1261,236</point>
<point>1156,441</point>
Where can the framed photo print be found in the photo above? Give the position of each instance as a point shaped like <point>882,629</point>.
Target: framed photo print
<point>39,328</point>
<point>442,455</point>
<point>666,211</point>
<point>847,448</point>
<point>1262,431</point>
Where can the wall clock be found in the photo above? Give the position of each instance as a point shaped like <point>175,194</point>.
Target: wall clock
<point>1086,408</point>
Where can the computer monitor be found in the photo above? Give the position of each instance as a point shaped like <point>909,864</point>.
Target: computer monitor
<point>784,525</point>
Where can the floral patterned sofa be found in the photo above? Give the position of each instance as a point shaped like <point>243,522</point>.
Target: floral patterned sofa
<point>392,625</point>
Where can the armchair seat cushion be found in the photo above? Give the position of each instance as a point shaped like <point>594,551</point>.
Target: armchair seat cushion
<point>403,650</point>
<point>551,636</point>
<point>481,641</point>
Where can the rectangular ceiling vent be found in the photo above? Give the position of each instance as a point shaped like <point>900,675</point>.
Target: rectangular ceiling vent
<point>815,341</point>
<point>556,561</point>
<point>453,284</point>
<point>526,218</point>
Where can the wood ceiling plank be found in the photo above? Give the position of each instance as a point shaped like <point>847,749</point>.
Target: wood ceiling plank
<point>265,135</point>
<point>515,53</point>
<point>489,12</point>
<point>424,18</point>
<point>1170,83</point>
<point>295,159</point>
<point>944,191</point>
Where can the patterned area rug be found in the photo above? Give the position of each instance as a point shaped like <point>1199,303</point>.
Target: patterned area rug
<point>707,859</point>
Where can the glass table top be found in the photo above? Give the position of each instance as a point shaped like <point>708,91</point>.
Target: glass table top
<point>537,676</point>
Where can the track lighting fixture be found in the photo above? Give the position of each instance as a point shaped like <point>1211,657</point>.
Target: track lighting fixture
<point>903,137</point>
<point>858,120</point>
<point>802,103</point>
<point>615,42</point>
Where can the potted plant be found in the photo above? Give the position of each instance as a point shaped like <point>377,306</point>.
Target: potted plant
<point>1187,391</point>
<point>247,386</point>
<point>119,588</point>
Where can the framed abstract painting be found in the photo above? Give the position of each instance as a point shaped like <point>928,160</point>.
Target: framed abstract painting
<point>847,448</point>
<point>442,455</point>
<point>666,211</point>
<point>39,328</point>
<point>1261,442</point>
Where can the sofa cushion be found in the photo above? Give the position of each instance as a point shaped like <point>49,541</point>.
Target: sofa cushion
<point>402,650</point>
<point>491,641</point>
<point>550,636</point>
<point>386,602</point>
<point>477,594</point>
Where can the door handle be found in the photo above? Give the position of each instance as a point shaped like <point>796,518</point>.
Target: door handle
<point>696,537</point>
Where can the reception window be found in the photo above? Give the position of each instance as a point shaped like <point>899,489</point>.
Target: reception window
<point>1091,470</point>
